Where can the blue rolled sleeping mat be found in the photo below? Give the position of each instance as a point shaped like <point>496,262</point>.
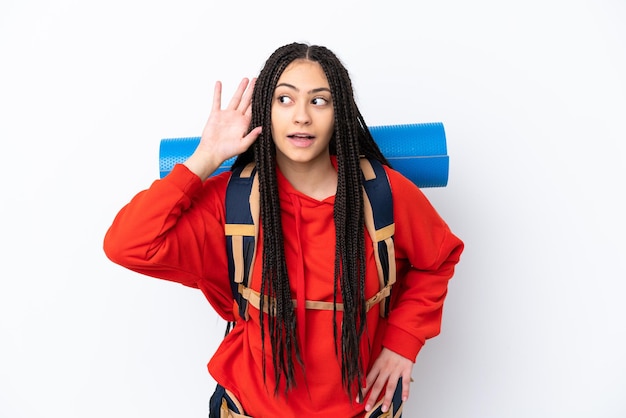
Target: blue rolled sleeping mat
<point>416,150</point>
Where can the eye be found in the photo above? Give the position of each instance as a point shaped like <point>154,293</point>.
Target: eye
<point>319,101</point>
<point>284,99</point>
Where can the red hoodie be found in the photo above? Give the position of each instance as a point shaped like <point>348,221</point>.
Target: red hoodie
<point>175,230</point>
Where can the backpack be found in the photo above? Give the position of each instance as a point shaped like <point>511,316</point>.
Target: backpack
<point>242,229</point>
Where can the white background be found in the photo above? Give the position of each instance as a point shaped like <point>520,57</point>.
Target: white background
<point>533,98</point>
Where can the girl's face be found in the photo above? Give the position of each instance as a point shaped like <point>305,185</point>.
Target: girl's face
<point>302,114</point>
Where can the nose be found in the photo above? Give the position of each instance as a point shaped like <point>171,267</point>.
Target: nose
<point>301,114</point>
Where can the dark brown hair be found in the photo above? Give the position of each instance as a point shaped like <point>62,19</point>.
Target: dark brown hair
<point>351,139</point>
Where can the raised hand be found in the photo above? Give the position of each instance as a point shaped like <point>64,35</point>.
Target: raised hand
<point>225,133</point>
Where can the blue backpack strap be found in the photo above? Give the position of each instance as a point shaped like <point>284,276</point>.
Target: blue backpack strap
<point>378,207</point>
<point>241,229</point>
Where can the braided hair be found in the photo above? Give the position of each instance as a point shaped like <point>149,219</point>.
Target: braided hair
<point>351,139</point>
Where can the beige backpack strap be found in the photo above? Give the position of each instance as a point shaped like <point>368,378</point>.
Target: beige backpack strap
<point>378,207</point>
<point>242,229</point>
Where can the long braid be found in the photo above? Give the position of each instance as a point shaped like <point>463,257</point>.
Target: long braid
<point>349,228</point>
<point>351,139</point>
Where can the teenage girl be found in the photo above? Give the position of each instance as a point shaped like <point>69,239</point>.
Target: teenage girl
<point>311,344</point>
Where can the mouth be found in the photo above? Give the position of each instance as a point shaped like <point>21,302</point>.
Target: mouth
<point>300,136</point>
<point>301,140</point>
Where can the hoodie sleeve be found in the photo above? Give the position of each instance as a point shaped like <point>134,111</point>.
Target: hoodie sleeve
<point>426,255</point>
<point>174,230</point>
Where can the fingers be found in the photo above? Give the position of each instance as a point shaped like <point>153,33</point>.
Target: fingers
<point>406,384</point>
<point>252,136</point>
<point>241,100</point>
<point>374,387</point>
<point>389,385</point>
<point>243,96</point>
<point>384,375</point>
<point>217,96</point>
<point>246,102</point>
<point>388,398</point>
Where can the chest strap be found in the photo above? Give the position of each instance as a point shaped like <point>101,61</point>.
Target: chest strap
<point>254,298</point>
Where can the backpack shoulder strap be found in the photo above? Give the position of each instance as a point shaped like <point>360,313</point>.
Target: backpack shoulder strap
<point>241,229</point>
<point>378,207</point>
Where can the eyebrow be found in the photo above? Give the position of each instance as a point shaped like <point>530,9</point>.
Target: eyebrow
<point>291,86</point>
